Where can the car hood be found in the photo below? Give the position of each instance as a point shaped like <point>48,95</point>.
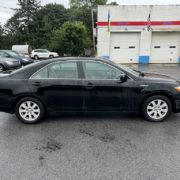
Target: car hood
<point>8,59</point>
<point>157,77</point>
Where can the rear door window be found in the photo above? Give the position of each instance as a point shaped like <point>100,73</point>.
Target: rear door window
<point>63,70</point>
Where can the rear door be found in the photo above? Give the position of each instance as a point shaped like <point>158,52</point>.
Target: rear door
<point>62,89</point>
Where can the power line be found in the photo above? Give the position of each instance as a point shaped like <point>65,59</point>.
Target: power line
<point>3,7</point>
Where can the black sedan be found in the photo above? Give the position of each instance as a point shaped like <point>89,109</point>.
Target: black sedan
<point>15,55</point>
<point>86,85</point>
<point>9,64</point>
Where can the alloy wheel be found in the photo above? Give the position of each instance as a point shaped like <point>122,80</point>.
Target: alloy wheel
<point>157,109</point>
<point>36,57</point>
<point>29,111</point>
<point>1,68</point>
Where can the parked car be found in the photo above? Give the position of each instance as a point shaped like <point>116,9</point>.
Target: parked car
<point>13,54</point>
<point>8,64</point>
<point>86,85</point>
<point>43,54</point>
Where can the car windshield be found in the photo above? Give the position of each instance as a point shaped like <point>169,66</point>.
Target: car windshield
<point>128,69</point>
<point>12,53</point>
<point>131,71</point>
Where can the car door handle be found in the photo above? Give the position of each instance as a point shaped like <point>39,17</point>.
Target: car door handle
<point>90,86</point>
<point>36,84</point>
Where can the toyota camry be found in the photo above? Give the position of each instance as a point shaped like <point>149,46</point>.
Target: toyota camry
<point>86,85</point>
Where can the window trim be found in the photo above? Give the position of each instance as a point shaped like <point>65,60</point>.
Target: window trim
<point>46,66</point>
<point>81,73</point>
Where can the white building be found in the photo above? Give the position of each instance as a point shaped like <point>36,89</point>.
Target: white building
<point>129,40</point>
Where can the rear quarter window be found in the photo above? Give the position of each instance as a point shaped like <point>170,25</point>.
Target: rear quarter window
<point>41,74</point>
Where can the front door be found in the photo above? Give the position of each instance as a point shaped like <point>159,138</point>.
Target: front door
<point>43,54</point>
<point>104,91</point>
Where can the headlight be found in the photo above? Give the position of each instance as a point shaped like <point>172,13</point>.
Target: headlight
<point>177,89</point>
<point>9,62</point>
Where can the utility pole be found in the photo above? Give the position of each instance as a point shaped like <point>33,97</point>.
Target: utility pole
<point>94,44</point>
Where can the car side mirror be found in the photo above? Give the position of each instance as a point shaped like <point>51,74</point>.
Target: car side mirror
<point>123,78</point>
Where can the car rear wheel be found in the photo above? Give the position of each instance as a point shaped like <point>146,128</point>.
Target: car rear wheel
<point>157,108</point>
<point>29,110</point>
<point>1,68</point>
<point>36,57</point>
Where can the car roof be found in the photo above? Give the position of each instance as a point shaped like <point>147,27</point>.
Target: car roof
<point>79,59</point>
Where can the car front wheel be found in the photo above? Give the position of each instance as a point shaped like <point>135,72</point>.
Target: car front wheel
<point>157,108</point>
<point>1,68</point>
<point>29,110</point>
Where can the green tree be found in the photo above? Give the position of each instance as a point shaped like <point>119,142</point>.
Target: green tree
<point>70,39</point>
<point>1,37</point>
<point>13,24</point>
<point>81,10</point>
<point>87,3</point>
<point>47,19</point>
<point>27,10</point>
<point>20,24</point>
<point>113,3</point>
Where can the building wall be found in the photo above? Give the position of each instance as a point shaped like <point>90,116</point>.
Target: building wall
<point>164,18</point>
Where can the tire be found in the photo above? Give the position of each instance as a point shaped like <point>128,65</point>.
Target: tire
<point>51,56</point>
<point>1,68</point>
<point>36,57</point>
<point>157,108</point>
<point>26,113</point>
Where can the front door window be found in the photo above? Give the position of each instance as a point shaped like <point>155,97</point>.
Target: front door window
<point>100,71</point>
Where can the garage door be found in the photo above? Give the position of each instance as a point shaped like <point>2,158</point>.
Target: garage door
<point>125,47</point>
<point>165,47</point>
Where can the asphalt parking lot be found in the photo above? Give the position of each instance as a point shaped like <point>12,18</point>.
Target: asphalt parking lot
<point>92,147</point>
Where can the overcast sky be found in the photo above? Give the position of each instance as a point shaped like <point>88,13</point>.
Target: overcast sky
<point>6,13</point>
